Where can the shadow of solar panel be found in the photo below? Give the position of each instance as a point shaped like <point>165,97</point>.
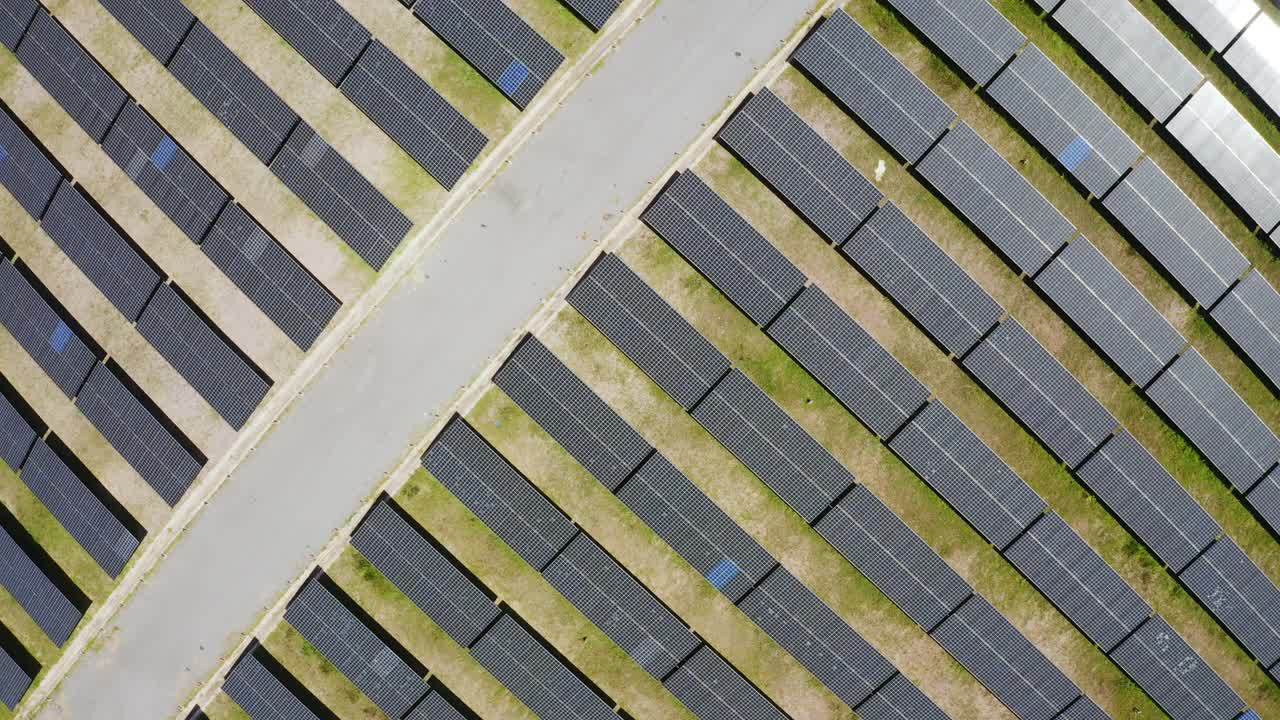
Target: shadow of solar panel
<point>159,25</point>
<point>84,516</point>
<point>175,182</point>
<point>848,362</point>
<point>620,606</point>
<point>1250,315</point>
<point>1003,660</point>
<point>1110,311</point>
<point>16,435</point>
<point>811,631</point>
<point>322,32</point>
<point>353,648</point>
<point>1216,419</point>
<point>1078,581</point>
<point>15,17</point>
<point>563,405</point>
<point>35,592</point>
<point>413,114</point>
<point>430,579</point>
<point>87,92</point>
<point>1040,392</point>
<point>41,331</point>
<point>1174,675</point>
<point>435,707</point>
<point>1083,709</point>
<point>232,92</point>
<point>1264,498</point>
<point>105,256</point>
<point>25,171</point>
<point>497,43</point>
<point>1181,238</point>
<point>335,191</point>
<point>873,86</point>
<point>971,33</point>
<point>140,438</point>
<point>648,330</point>
<point>14,681</point>
<point>898,699</point>
<point>713,690</point>
<point>1240,596</point>
<point>1007,209</point>
<point>1066,122</point>
<point>497,493</point>
<point>967,474</point>
<point>541,680</point>
<point>769,442</point>
<point>261,694</point>
<point>1253,57</point>
<point>595,13</point>
<point>922,279</point>
<point>294,299</point>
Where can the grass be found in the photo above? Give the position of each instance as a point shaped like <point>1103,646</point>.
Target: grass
<point>224,708</point>
<point>555,22</point>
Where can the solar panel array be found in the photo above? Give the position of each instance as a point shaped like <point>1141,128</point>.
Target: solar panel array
<point>1265,498</point>
<point>800,165</point>
<point>43,331</point>
<point>15,16</point>
<point>873,86</point>
<point>87,92</point>
<point>1253,56</point>
<point>158,24</point>
<point>713,690</point>
<point>17,436</point>
<point>1084,140</point>
<point>435,707</point>
<point>1250,315</point>
<point>594,13</point>
<point>25,171</point>
<point>14,680</point>
<point>1217,21</point>
<point>1243,599</point>
<point>497,43</point>
<point>261,694</point>
<point>35,592</point>
<point>1171,672</point>
<point>322,32</point>
<point>970,33</point>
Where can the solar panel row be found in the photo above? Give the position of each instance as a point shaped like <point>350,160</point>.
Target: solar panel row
<point>1174,675</point>
<point>713,690</point>
<point>970,33</point>
<point>87,92</point>
<point>1253,58</point>
<point>1265,498</point>
<point>1250,316</point>
<point>17,436</point>
<point>159,25</point>
<point>261,694</point>
<point>435,707</point>
<point>43,330</point>
<point>15,17</point>
<point>25,171</point>
<point>1219,21</point>
<point>47,605</point>
<point>14,680</point>
<point>322,32</point>
<point>1240,595</point>
<point>594,13</point>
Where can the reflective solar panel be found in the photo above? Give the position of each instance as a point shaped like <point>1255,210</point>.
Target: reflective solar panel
<point>595,13</point>
<point>1174,675</point>
<point>798,164</point>
<point>1007,209</point>
<point>15,17</point>
<point>1217,21</point>
<point>35,592</point>
<point>435,707</point>
<point>14,681</point>
<point>261,694</point>
<point>713,690</point>
<point>322,32</point>
<point>898,699</point>
<point>1264,498</point>
<point>158,24</point>
<point>42,331</point>
<point>724,247</point>
<point>873,86</point>
<point>1256,60</point>
<point>16,435</point>
<point>1110,311</point>
<point>1240,596</point>
<point>25,171</point>
<point>1250,315</point>
<point>971,33</point>
<point>87,92</point>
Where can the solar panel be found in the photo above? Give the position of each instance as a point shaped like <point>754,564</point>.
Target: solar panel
<point>41,330</point>
<point>923,280</point>
<point>1066,122</point>
<point>35,592</point>
<point>898,699</point>
<point>497,493</point>
<point>1083,709</point>
<point>620,606</point>
<point>335,191</point>
<point>1171,672</point>
<point>87,92</point>
<point>232,92</point>
<point>175,182</point>
<point>1128,46</point>
<point>698,530</point>
<point>261,694</point>
<point>595,13</point>
<point>15,16</point>
<point>1172,229</point>
<point>1240,595</point>
<point>1040,392</point>
<point>713,690</point>
<point>294,299</point>
<point>497,43</point>
<point>811,631</point>
<point>971,33</point>
<point>358,653</point>
<point>16,435</point>
<point>993,196</point>
<point>158,24</point>
<point>1250,315</point>
<point>541,680</point>
<point>773,445</point>
<point>648,330</point>
<point>1217,21</point>
<point>872,85</point>
<point>430,579</point>
<point>25,171</point>
<point>1110,311</point>
<point>435,707</point>
<point>717,241</point>
<point>595,435</point>
<point>1003,660</point>
<point>1264,498</point>
<point>800,165</point>
<point>84,516</point>
<point>413,114</point>
<point>322,32</point>
<point>14,681</point>
<point>131,428</point>
<point>1254,58</point>
<point>881,546</point>
<point>103,254</point>
<point>848,362</point>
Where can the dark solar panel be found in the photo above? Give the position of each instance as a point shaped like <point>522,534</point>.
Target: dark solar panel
<point>1174,675</point>
<point>1083,709</point>
<point>322,32</point>
<point>158,24</point>
<point>656,338</point>
<point>294,299</point>
<point>1240,595</point>
<point>1110,311</point>
<point>14,681</point>
<point>923,280</point>
<point>496,41</point>
<point>16,435</point>
<point>1250,315</point>
<point>1264,498</point>
<point>497,493</point>
<point>35,592</point>
<point>968,474</point>
<point>872,85</point>
<point>990,193</point>
<point>773,445</point>
<point>898,699</point>
<point>261,694</point>
<point>595,13</point>
<point>15,16</point>
<point>25,171</point>
<point>971,33</point>
<point>413,114</point>
<point>435,707</point>
<point>713,690</point>
<point>724,247</point>
<point>42,332</point>
<point>87,92</point>
<point>848,362</point>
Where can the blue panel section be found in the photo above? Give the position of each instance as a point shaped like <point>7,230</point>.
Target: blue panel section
<point>164,153</point>
<point>513,76</point>
<point>1250,715</point>
<point>3,153</point>
<point>1075,153</point>
<point>723,573</point>
<point>61,334</point>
